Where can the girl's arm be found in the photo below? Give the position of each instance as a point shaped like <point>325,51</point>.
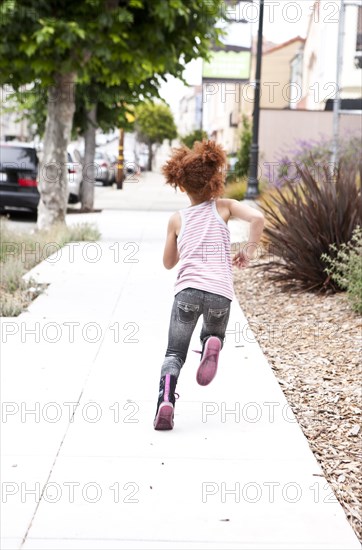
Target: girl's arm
<point>256,220</point>
<point>170,255</point>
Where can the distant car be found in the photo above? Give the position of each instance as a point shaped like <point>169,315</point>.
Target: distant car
<point>19,176</point>
<point>143,160</point>
<point>75,177</point>
<point>103,167</point>
<point>131,164</point>
<point>113,167</point>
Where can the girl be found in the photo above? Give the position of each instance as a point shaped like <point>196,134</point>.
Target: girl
<point>198,237</point>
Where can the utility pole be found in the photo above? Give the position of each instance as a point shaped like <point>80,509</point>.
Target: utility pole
<point>252,189</point>
<point>120,163</point>
<point>337,98</point>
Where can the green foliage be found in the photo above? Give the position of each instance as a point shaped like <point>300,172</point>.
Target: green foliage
<point>119,52</point>
<point>345,268</point>
<point>110,41</point>
<point>30,104</point>
<point>154,123</point>
<point>303,218</point>
<point>242,165</point>
<point>196,135</point>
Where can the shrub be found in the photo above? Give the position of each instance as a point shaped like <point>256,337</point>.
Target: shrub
<point>237,189</point>
<point>345,268</point>
<point>196,135</point>
<point>241,167</point>
<point>310,154</point>
<point>303,219</point>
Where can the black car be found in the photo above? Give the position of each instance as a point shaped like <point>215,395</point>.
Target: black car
<point>18,176</point>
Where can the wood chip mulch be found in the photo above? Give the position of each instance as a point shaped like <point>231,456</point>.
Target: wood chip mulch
<point>313,343</point>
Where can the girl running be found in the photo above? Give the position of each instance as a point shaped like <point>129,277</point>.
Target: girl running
<point>198,238</point>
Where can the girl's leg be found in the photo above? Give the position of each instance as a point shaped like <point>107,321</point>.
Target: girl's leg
<point>216,315</point>
<point>187,308</point>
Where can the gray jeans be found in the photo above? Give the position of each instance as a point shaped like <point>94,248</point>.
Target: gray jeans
<point>188,305</point>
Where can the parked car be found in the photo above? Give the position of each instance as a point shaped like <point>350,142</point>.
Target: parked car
<point>143,160</point>
<point>75,177</point>
<point>18,176</point>
<point>131,164</point>
<point>103,167</point>
<point>19,167</point>
<point>113,167</point>
<point>130,167</point>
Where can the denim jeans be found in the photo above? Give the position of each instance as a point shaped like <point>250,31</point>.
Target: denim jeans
<point>188,305</point>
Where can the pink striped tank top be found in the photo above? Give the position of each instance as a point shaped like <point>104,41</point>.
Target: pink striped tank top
<point>204,249</point>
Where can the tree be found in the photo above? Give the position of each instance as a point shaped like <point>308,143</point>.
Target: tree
<point>96,106</point>
<point>196,135</point>
<point>61,43</point>
<point>154,123</point>
<point>242,164</point>
<point>106,108</point>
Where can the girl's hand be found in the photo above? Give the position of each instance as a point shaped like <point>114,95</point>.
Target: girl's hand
<point>241,259</point>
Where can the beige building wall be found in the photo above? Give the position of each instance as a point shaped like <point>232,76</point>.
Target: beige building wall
<point>276,92</point>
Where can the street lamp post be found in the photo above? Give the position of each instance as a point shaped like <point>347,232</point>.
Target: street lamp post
<point>252,189</point>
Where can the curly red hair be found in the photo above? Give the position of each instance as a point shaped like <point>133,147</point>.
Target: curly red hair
<point>198,170</point>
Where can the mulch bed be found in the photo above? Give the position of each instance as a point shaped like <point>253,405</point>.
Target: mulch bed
<point>313,342</point>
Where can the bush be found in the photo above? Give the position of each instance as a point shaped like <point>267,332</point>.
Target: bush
<point>304,218</point>
<point>196,135</point>
<point>346,268</point>
<point>241,167</point>
<point>237,189</point>
<point>311,154</point>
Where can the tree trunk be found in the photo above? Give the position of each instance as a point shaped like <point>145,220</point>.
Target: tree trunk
<point>149,167</point>
<point>88,163</point>
<point>53,181</point>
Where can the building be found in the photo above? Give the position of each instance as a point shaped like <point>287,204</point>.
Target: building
<point>276,89</point>
<point>190,111</point>
<point>11,127</point>
<point>319,57</point>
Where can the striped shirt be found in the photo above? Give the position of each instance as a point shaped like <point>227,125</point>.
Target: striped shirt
<point>205,251</point>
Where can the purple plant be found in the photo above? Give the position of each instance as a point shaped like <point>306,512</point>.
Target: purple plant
<point>314,154</point>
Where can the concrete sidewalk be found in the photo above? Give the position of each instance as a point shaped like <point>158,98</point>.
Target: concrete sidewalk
<point>82,466</point>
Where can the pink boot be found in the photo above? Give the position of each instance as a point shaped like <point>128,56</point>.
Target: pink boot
<point>209,360</point>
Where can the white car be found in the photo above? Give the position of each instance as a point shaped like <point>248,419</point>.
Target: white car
<point>75,176</point>
<point>103,167</point>
<point>74,172</point>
